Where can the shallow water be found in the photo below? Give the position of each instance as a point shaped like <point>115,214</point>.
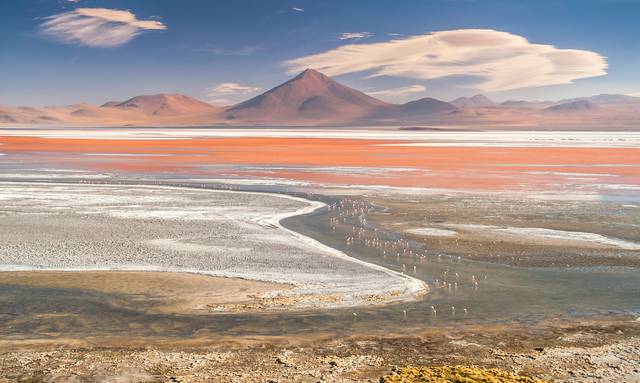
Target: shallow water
<point>505,294</point>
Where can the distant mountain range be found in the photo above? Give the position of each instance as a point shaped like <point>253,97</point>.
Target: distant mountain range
<point>163,105</point>
<point>311,98</point>
<point>479,100</point>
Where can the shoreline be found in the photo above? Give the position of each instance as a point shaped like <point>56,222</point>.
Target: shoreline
<point>414,290</point>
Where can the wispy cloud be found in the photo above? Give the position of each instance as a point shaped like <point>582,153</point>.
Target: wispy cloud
<point>229,92</point>
<point>97,27</point>
<point>399,92</point>
<point>240,51</point>
<point>495,60</point>
<point>232,88</point>
<point>298,9</point>
<point>354,35</point>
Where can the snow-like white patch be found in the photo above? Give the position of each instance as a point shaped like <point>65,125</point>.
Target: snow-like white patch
<point>358,189</point>
<point>249,181</point>
<point>432,232</point>
<point>537,233</point>
<point>472,226</point>
<point>419,138</point>
<point>50,173</point>
<point>572,236</point>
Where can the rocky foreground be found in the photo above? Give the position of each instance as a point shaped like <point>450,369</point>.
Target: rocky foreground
<point>598,352</point>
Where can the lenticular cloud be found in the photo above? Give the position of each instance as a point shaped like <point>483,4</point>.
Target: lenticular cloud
<point>496,60</point>
<point>97,27</point>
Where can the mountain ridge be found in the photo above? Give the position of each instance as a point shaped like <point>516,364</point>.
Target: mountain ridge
<point>163,104</point>
<point>479,100</point>
<point>314,99</point>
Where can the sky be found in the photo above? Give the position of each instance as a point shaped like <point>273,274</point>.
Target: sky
<point>58,52</point>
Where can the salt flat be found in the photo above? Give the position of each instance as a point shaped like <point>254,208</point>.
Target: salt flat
<point>597,139</point>
<point>218,233</point>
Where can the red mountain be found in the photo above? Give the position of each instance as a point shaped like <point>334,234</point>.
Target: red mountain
<point>163,104</point>
<point>310,96</point>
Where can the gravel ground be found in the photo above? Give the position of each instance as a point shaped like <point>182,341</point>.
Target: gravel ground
<point>618,362</point>
<point>356,360</point>
<point>233,234</point>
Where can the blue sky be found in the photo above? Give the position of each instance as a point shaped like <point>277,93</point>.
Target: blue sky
<point>226,51</point>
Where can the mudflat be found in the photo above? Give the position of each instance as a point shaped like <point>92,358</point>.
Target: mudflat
<point>177,293</point>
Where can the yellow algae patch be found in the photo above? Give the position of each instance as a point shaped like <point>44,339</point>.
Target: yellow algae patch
<point>456,374</point>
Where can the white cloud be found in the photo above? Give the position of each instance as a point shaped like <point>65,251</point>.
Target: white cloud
<point>226,92</point>
<point>398,92</point>
<point>232,88</point>
<point>97,27</point>
<point>297,9</point>
<point>496,60</point>
<point>354,35</point>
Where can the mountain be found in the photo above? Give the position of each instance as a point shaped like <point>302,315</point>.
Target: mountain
<point>26,115</point>
<point>603,99</point>
<point>425,107</point>
<point>606,99</point>
<point>69,115</point>
<point>160,109</point>
<point>572,106</point>
<point>525,104</point>
<point>313,97</point>
<point>310,96</point>
<point>163,105</point>
<point>479,100</point>
<point>514,103</point>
